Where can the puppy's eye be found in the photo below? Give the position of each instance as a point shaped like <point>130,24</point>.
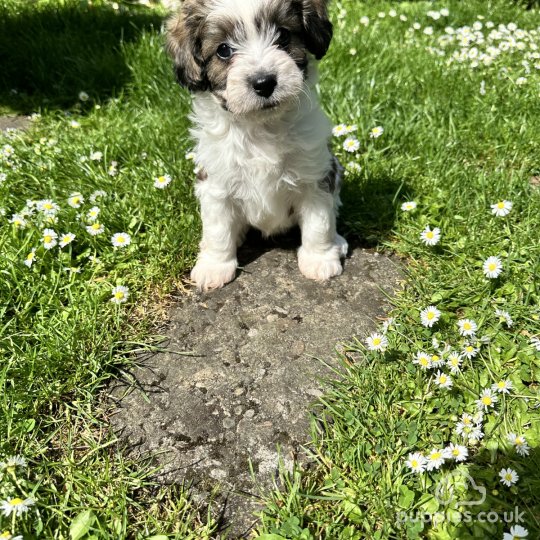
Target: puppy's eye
<point>284,37</point>
<point>224,51</point>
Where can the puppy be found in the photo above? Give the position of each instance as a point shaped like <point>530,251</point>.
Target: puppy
<point>262,138</point>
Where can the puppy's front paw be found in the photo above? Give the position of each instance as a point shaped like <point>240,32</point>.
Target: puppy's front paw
<point>213,275</point>
<point>321,266</point>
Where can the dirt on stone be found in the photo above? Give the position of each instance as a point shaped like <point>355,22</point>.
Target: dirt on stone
<point>230,396</point>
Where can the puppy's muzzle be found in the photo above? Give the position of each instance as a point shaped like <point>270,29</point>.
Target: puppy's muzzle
<point>264,84</point>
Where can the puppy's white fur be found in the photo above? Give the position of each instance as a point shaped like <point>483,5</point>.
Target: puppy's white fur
<point>263,168</point>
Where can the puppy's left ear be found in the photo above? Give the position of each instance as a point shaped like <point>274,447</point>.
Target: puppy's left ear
<point>317,27</point>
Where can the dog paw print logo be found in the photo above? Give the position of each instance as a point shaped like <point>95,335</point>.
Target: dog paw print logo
<point>459,484</point>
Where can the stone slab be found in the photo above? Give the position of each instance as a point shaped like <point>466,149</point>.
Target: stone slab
<point>14,122</point>
<point>256,348</point>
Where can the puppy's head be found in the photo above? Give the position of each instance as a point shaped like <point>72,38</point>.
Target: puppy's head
<point>252,55</point>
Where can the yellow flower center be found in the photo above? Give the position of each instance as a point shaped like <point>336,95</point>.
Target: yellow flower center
<point>376,341</point>
<point>492,267</point>
<point>429,234</point>
<point>435,358</point>
<point>486,400</point>
<point>424,361</point>
<point>162,179</point>
<point>414,463</point>
<point>500,205</point>
<point>469,349</point>
<point>6,535</point>
<point>454,361</point>
<point>16,501</point>
<point>119,295</point>
<point>75,200</point>
<point>502,384</point>
<point>435,456</point>
<point>431,315</point>
<point>443,379</point>
<point>508,477</point>
<point>467,326</point>
<point>467,421</point>
<point>519,441</point>
<point>455,452</point>
<point>47,239</point>
<point>47,206</point>
<point>96,226</point>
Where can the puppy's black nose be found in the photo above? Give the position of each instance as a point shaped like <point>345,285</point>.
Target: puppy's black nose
<point>264,85</point>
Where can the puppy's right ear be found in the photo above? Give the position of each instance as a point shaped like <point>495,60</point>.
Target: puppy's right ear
<point>183,45</point>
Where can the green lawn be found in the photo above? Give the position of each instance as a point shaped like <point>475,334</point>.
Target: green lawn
<point>457,137</point>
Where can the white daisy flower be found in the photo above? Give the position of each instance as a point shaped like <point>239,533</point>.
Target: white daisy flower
<point>520,443</point>
<point>3,177</point>
<point>49,238</point>
<point>18,221</point>
<point>444,12</point>
<point>191,155</point>
<point>454,362</point>
<point>381,14</point>
<point>351,144</point>
<point>502,208</point>
<point>428,30</point>
<point>430,316</point>
<point>430,237</point>
<point>364,20</point>
<point>423,360</point>
<point>416,26</point>
<point>457,452</point>
<point>30,258</point>
<point>435,459</point>
<point>74,124</point>
<point>416,462</point>
<point>508,477</point>
<point>120,295</point>
<point>408,206</point>
<point>520,81</point>
<point>487,399</point>
<point>96,156</point>
<point>161,182</point>
<point>83,96</point>
<point>75,200</point>
<point>392,13</point>
<point>121,240</point>
<point>47,206</point>
<point>467,327</point>
<point>12,462</point>
<point>504,316</point>
<point>6,535</point>
<point>437,361</point>
<point>492,267</point>
<point>377,342</point>
<point>469,351</point>
<point>93,213</point>
<point>113,169</point>
<point>443,380</point>
<point>403,18</point>
<point>99,194</point>
<point>535,342</point>
<point>95,229</point>
<point>516,532</point>
<point>16,506</point>
<point>376,132</point>
<point>502,387</point>
<point>339,130</point>
<point>66,239</point>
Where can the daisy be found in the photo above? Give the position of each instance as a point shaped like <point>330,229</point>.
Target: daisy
<point>408,206</point>
<point>467,327</point>
<point>487,399</point>
<point>443,380</point>
<point>66,239</point>
<point>75,200</point>
<point>6,535</point>
<point>454,362</point>
<point>502,387</point>
<point>30,258</point>
<point>501,208</point>
<point>83,96</point>
<point>96,156</point>
<point>18,221</point>
<point>364,20</point>
<point>95,229</point>
<point>351,144</point>
<point>121,240</point>
<point>93,213</point>
<point>522,448</point>
<point>191,155</point>
<point>469,351</point>
<point>435,459</point>
<point>113,168</point>
<point>120,295</point>
<point>430,237</point>
<point>376,132</point>
<point>377,342</point>
<point>339,130</point>
<point>437,361</point>
<point>161,182</point>
<point>516,532</point>
<point>535,342</point>
<point>423,360</point>
<point>416,462</point>
<point>508,477</point>
<point>49,238</point>
<point>392,13</point>
<point>99,194</point>
<point>430,316</point>
<point>520,81</point>
<point>456,452</point>
<point>492,267</point>
<point>74,124</point>
<point>47,206</point>
<point>16,506</point>
<point>504,316</point>
<point>444,12</point>
<point>3,177</point>
<point>12,462</point>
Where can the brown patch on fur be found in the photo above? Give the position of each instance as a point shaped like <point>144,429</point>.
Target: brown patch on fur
<point>202,175</point>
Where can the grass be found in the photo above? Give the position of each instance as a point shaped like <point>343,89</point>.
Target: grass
<point>445,145</point>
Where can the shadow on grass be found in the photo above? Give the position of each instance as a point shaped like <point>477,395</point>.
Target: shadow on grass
<point>50,54</point>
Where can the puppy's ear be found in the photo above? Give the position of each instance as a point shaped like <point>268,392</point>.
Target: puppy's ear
<point>183,45</point>
<point>317,27</point>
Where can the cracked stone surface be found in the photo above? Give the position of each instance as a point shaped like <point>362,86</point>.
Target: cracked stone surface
<point>253,369</point>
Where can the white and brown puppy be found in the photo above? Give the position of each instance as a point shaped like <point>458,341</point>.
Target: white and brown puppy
<point>262,139</point>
